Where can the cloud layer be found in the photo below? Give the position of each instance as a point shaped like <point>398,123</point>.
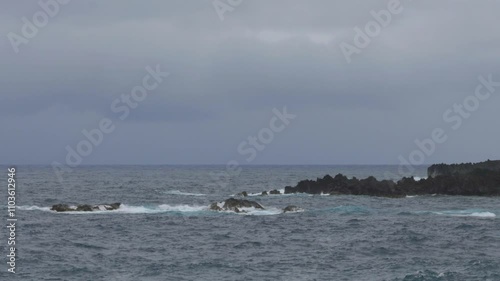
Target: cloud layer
<point>227,76</point>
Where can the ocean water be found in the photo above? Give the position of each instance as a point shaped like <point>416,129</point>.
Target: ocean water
<point>164,230</point>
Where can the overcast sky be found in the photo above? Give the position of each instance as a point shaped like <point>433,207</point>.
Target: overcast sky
<point>227,76</point>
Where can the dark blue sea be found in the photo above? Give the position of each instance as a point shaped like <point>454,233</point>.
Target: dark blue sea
<point>164,230</point>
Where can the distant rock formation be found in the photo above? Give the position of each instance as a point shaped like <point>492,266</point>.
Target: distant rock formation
<point>482,179</point>
<point>340,184</point>
<point>461,169</point>
<point>85,207</point>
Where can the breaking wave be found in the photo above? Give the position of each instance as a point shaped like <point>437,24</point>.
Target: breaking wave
<point>33,208</point>
<point>163,208</point>
<point>130,209</point>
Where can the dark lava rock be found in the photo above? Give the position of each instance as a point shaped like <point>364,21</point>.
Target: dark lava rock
<point>61,208</point>
<point>235,205</point>
<point>244,194</point>
<point>274,192</point>
<point>84,208</point>
<point>264,193</point>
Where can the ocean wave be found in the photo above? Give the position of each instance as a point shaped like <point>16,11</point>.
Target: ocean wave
<point>433,275</point>
<point>178,192</point>
<point>349,209</point>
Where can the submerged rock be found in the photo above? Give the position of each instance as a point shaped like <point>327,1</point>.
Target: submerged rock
<point>244,194</point>
<point>291,208</point>
<point>85,207</point>
<point>264,193</point>
<point>215,207</point>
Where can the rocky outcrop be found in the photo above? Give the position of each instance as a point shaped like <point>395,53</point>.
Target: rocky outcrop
<point>242,206</point>
<point>274,192</point>
<point>242,194</point>
<point>85,207</point>
<point>62,208</point>
<point>235,205</point>
<point>461,179</point>
<point>462,169</point>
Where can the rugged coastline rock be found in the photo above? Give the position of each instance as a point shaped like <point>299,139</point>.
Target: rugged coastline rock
<point>482,179</point>
<point>85,207</point>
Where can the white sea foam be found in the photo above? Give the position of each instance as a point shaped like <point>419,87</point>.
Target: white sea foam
<point>259,212</point>
<point>483,215</point>
<point>33,208</point>
<point>178,192</point>
<point>163,208</point>
<point>129,209</point>
<point>467,213</point>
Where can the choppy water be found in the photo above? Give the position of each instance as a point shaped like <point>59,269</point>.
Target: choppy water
<point>165,232</point>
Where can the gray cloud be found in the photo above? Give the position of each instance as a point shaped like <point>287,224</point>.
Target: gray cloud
<point>227,76</point>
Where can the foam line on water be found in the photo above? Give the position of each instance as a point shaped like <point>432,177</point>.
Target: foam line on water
<point>467,213</point>
<point>33,208</point>
<point>178,192</point>
<point>130,209</point>
<point>162,208</point>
